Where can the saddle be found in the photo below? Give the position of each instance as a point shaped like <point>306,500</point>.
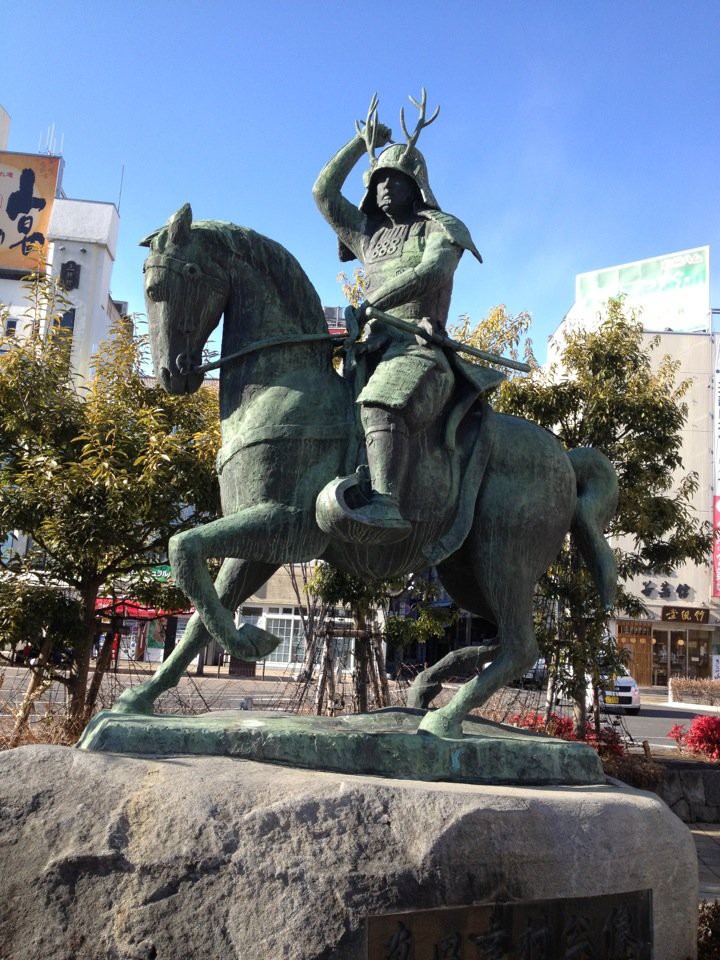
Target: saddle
<point>449,459</point>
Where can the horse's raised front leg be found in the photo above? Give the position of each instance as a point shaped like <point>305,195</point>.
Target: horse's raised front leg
<point>237,580</point>
<point>268,533</point>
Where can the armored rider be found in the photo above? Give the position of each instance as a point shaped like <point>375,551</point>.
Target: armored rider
<point>409,249</point>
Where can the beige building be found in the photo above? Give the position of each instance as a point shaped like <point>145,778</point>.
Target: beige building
<point>681,634</point>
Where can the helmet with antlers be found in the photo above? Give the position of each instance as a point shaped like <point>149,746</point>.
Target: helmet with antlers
<point>403,157</point>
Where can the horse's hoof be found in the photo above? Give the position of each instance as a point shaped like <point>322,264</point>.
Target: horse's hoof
<point>133,701</point>
<point>252,643</point>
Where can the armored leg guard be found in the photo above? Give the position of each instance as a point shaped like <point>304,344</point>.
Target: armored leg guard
<point>388,448</point>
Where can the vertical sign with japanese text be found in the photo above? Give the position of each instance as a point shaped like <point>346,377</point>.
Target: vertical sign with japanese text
<point>716,546</point>
<point>716,471</point>
<point>27,190</point>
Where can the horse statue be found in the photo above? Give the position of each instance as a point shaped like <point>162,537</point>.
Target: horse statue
<point>491,497</point>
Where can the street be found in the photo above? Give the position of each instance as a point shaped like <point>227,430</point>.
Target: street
<point>655,720</point>
<point>216,690</point>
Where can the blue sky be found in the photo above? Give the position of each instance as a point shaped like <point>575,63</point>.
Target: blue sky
<point>573,134</point>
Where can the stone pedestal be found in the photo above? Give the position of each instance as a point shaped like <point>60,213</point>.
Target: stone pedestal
<point>107,856</point>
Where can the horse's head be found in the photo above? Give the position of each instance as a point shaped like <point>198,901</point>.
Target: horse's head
<point>185,295</point>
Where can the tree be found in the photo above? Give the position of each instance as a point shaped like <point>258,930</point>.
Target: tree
<point>500,333</point>
<point>313,613</point>
<point>354,287</point>
<point>97,475</point>
<point>363,597</point>
<point>608,393</point>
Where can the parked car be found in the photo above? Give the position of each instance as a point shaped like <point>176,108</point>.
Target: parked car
<point>535,677</point>
<point>618,693</point>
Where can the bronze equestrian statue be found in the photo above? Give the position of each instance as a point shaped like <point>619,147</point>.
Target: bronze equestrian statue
<point>490,497</point>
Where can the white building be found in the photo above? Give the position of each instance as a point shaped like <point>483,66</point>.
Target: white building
<point>681,634</point>
<point>78,242</point>
<point>78,239</point>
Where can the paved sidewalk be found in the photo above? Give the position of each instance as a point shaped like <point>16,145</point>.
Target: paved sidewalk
<point>707,844</point>
<point>659,696</point>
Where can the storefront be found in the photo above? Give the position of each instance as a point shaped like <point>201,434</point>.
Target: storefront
<point>682,644</point>
<point>139,633</point>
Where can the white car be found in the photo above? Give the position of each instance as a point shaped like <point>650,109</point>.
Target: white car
<point>533,678</point>
<point>620,693</point>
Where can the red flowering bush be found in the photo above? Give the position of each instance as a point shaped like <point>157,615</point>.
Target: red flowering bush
<point>609,741</point>
<point>677,733</point>
<point>703,737</point>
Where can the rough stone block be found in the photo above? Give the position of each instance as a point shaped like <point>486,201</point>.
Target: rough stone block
<point>711,785</point>
<point>693,787</point>
<point>671,789</point>
<point>681,808</point>
<point>205,857</point>
<point>703,814</point>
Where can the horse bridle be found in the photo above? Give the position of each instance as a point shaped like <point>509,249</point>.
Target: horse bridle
<point>267,344</point>
<point>191,271</point>
<point>188,270</point>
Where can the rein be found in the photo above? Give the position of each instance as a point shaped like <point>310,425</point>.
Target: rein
<point>268,344</point>
<point>191,271</point>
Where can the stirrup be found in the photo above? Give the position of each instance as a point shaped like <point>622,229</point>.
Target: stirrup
<point>344,511</point>
<point>382,512</point>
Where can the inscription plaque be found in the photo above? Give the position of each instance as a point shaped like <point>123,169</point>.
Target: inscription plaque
<point>70,275</point>
<point>613,927</point>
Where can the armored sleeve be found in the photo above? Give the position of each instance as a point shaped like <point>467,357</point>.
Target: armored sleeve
<point>347,221</point>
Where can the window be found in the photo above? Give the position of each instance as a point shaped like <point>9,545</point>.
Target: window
<point>10,327</point>
<point>67,321</point>
<point>292,646</point>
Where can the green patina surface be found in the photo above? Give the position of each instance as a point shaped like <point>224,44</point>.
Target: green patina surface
<point>440,478</point>
<point>384,744</point>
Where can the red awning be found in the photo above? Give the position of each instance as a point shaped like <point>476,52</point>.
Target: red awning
<point>129,610</point>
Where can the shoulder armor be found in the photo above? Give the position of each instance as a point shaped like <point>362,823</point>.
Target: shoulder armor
<point>455,230</point>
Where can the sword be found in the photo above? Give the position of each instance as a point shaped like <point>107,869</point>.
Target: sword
<point>372,313</point>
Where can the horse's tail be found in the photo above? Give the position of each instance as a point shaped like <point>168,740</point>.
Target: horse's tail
<point>597,489</point>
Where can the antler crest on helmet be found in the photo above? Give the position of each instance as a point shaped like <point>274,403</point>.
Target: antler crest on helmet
<point>368,130</point>
<point>422,122</point>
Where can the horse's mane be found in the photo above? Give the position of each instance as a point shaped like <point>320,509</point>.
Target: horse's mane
<point>276,263</point>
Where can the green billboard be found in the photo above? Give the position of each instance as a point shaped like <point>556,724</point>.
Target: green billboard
<point>672,291</point>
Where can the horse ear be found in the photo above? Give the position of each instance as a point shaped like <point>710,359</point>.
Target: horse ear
<point>179,225</point>
<point>146,241</point>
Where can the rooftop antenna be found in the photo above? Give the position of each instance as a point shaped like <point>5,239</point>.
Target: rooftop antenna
<point>122,177</point>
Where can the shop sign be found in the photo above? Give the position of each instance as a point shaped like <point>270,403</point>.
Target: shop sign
<point>28,184</point>
<point>633,628</point>
<point>672,290</point>
<point>70,275</point>
<point>686,614</point>
<point>162,573</point>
